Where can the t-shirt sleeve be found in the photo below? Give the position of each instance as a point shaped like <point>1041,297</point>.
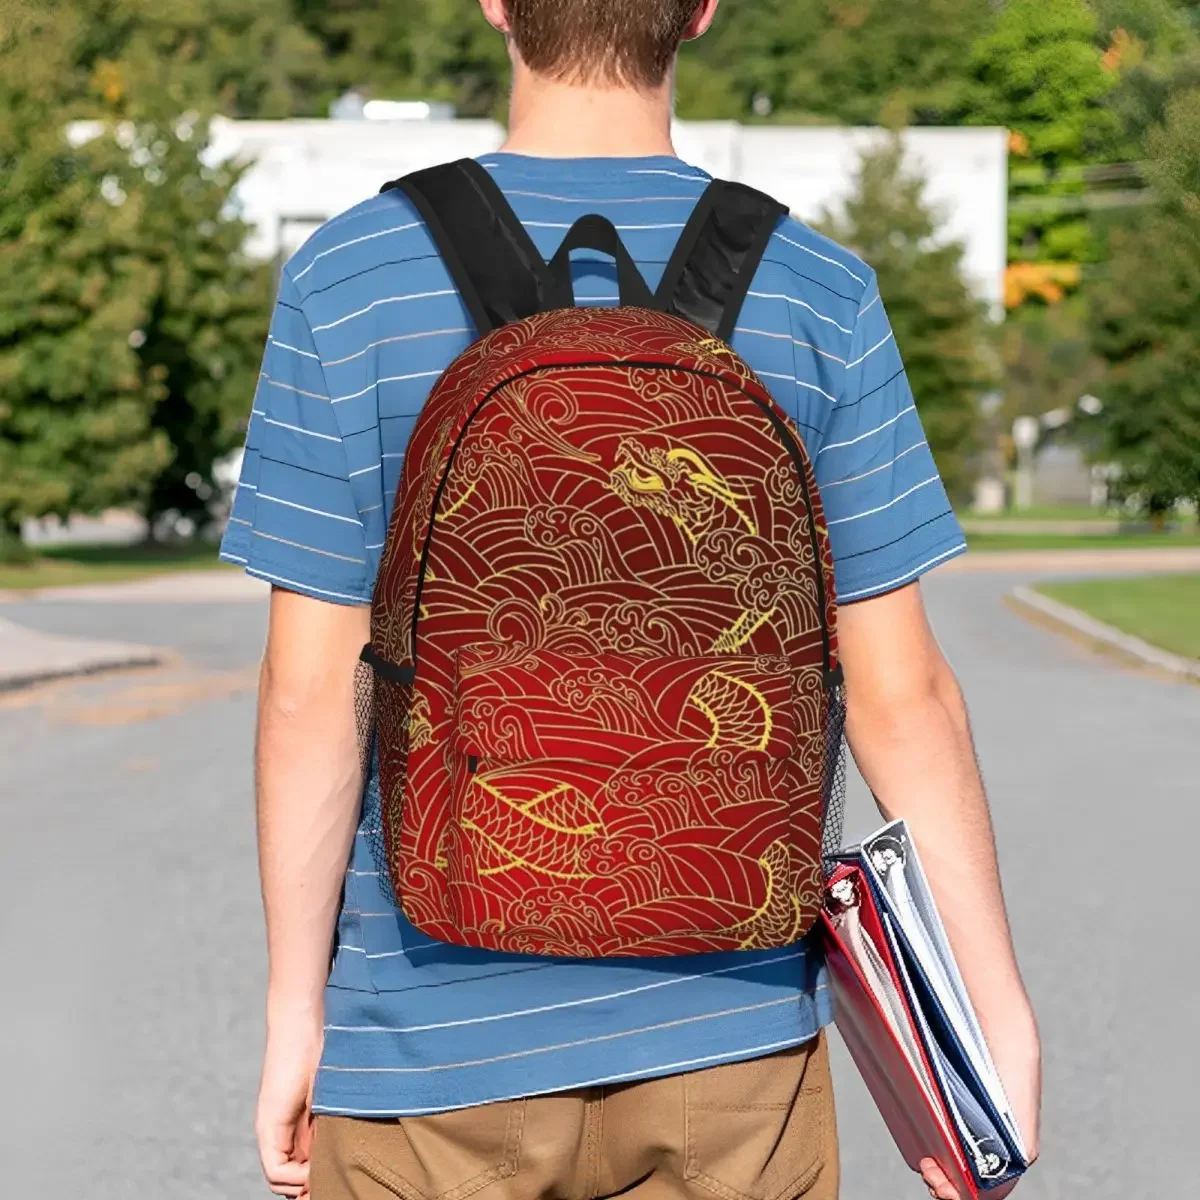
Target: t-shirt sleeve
<point>888,514</point>
<point>294,521</point>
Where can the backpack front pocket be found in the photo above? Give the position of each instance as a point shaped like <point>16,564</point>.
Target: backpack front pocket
<point>613,803</point>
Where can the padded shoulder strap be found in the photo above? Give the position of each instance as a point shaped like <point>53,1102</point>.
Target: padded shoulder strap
<point>714,263</point>
<point>491,258</point>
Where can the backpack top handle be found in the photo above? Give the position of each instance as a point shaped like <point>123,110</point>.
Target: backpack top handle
<point>597,233</point>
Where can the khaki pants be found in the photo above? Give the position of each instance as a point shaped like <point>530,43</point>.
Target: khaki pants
<point>758,1130</point>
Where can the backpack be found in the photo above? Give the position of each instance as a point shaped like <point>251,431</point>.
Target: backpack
<point>606,702</point>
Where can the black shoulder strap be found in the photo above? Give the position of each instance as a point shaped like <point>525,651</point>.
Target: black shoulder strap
<point>490,256</point>
<point>714,263</point>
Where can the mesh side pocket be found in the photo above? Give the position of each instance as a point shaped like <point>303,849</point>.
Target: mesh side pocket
<point>835,774</point>
<point>387,759</point>
<point>364,715</point>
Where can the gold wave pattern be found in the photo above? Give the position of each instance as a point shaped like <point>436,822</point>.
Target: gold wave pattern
<point>665,800</point>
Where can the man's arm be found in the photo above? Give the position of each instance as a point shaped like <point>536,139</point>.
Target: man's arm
<point>309,791</point>
<point>908,729</point>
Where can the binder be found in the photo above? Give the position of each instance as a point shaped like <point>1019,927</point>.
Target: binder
<point>904,1013</point>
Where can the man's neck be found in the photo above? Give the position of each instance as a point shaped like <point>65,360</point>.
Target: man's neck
<point>548,119</point>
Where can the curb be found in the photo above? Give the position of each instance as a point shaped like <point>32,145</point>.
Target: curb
<point>35,657</point>
<point>1097,631</point>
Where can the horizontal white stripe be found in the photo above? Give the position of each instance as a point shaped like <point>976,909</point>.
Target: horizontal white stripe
<point>400,337</point>
<point>823,257</point>
<point>818,350</point>
<point>250,487</point>
<point>545,1008</point>
<point>317,512</point>
<point>325,437</point>
<point>800,304</point>
<point>878,344</point>
<point>399,454</point>
<point>294,349</point>
<point>535,1050</point>
<point>607,199</point>
<point>386,300</point>
<point>875,589</point>
<point>366,874</point>
<point>874,470</point>
<point>812,387</point>
<point>237,521</point>
<point>365,470</point>
<point>869,433</point>
<point>353,242</point>
<point>787,337</point>
<point>231,557</point>
<point>672,1068</point>
<point>386,379</point>
<point>374,546</point>
<point>673,174</point>
<point>369,208</point>
<point>619,228</point>
<point>373,508</point>
<point>304,587</point>
<point>287,387</point>
<point>870,512</point>
<point>406,951</point>
<point>862,312</point>
<point>311,549</point>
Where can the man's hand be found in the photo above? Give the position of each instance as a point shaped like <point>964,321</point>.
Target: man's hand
<point>283,1123</point>
<point>908,729</point>
<point>309,793</point>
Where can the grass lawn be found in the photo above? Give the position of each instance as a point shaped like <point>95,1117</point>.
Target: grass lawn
<point>1079,541</point>
<point>57,566</point>
<point>1162,609</point>
<point>1045,513</point>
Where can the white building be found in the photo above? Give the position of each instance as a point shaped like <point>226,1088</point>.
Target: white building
<point>305,172</point>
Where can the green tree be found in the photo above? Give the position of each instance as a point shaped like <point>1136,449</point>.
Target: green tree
<point>856,62</point>
<point>1146,324</point>
<point>75,402</point>
<point>203,334</point>
<point>413,49</point>
<point>941,328</point>
<point>243,60</point>
<point>130,322</point>
<point>1040,71</point>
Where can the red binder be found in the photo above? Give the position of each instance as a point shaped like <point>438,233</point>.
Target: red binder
<point>885,1042</point>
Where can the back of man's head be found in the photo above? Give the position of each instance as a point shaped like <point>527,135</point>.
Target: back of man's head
<point>616,42</point>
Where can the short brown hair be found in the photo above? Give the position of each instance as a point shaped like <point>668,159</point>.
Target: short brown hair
<point>616,41</point>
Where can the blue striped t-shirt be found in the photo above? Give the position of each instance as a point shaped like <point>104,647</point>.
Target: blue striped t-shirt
<point>366,321</point>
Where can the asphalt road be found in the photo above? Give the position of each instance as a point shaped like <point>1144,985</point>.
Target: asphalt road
<point>132,951</point>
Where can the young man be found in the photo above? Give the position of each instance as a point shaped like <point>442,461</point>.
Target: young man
<point>435,1071</point>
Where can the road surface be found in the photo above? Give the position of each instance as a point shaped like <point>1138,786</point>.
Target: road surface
<point>133,962</point>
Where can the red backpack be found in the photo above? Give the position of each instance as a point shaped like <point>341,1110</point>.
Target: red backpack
<point>608,710</point>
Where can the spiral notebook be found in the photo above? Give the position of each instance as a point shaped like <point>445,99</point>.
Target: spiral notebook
<point>905,1015</point>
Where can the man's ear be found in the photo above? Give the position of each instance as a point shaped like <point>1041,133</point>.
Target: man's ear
<point>699,25</point>
<point>496,12</point>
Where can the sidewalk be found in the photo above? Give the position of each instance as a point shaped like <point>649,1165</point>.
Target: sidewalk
<point>1111,561</point>
<point>28,656</point>
<point>177,587</point>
